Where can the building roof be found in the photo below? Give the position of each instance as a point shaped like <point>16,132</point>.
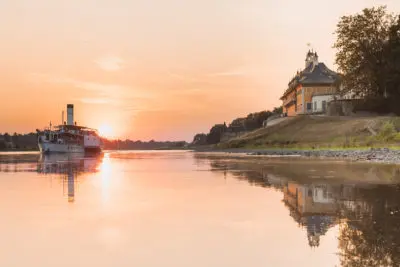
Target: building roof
<point>313,74</point>
<point>74,127</point>
<point>317,74</point>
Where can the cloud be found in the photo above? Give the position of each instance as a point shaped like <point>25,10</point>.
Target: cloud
<point>240,71</point>
<point>94,100</point>
<point>176,76</point>
<point>228,73</point>
<point>187,91</point>
<point>181,77</point>
<point>99,93</point>
<point>110,63</point>
<point>104,89</point>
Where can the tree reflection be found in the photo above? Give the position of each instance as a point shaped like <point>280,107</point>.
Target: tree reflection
<point>368,214</point>
<point>371,236</point>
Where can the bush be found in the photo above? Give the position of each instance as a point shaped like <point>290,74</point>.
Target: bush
<point>396,137</point>
<point>370,141</point>
<point>258,143</point>
<point>387,133</point>
<point>349,141</point>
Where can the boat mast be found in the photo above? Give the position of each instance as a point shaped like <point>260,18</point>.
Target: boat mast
<point>50,133</point>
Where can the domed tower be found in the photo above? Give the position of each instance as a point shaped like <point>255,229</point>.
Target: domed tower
<point>311,57</point>
<point>317,226</point>
<point>313,240</point>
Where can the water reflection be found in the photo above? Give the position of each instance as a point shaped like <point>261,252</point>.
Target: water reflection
<point>181,206</point>
<point>311,206</point>
<point>65,167</point>
<point>68,167</point>
<point>365,207</point>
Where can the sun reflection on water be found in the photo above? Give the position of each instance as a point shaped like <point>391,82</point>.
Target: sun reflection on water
<point>105,174</point>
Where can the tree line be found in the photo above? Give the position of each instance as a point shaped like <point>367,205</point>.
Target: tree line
<point>251,122</point>
<point>142,145</point>
<point>368,57</point>
<point>18,141</point>
<point>30,142</point>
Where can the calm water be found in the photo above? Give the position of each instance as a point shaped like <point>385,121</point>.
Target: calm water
<point>188,209</point>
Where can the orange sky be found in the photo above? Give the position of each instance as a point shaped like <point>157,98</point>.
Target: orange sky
<point>156,69</point>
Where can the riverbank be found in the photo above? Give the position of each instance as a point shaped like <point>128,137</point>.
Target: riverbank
<point>373,155</point>
<point>364,139</point>
<point>319,132</point>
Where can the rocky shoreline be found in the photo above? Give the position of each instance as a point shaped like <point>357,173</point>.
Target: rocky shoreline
<point>375,155</point>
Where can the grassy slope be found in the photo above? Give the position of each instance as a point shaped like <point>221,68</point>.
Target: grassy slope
<point>316,132</point>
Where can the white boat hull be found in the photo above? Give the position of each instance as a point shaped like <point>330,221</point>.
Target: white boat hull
<point>60,148</point>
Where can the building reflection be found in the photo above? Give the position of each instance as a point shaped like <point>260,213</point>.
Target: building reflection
<point>311,206</point>
<point>366,214</point>
<point>368,217</point>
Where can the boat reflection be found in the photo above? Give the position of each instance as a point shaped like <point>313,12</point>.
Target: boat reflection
<point>65,163</point>
<point>68,167</point>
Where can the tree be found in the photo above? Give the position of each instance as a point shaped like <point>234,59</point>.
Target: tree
<point>15,138</point>
<point>278,110</point>
<point>200,139</point>
<point>237,125</point>
<point>393,62</point>
<point>251,122</point>
<point>214,136</point>
<point>7,137</point>
<point>361,54</point>
<point>2,145</point>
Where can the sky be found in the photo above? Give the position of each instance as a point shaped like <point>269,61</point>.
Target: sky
<point>157,69</point>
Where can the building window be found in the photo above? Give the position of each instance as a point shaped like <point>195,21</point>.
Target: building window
<point>309,106</point>
<point>315,105</point>
<point>324,105</point>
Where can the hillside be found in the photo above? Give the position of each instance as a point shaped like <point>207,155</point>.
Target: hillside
<point>321,132</point>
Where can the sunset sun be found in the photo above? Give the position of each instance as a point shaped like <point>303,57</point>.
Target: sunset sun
<point>105,130</point>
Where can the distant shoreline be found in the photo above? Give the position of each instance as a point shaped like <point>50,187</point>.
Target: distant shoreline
<point>19,150</point>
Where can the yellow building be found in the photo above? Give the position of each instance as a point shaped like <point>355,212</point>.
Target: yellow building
<point>311,89</point>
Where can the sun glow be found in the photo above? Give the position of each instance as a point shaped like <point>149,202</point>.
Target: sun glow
<point>105,130</point>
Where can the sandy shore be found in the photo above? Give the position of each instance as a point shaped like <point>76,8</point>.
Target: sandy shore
<point>375,155</point>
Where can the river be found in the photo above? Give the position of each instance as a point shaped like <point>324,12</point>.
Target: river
<point>179,208</point>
